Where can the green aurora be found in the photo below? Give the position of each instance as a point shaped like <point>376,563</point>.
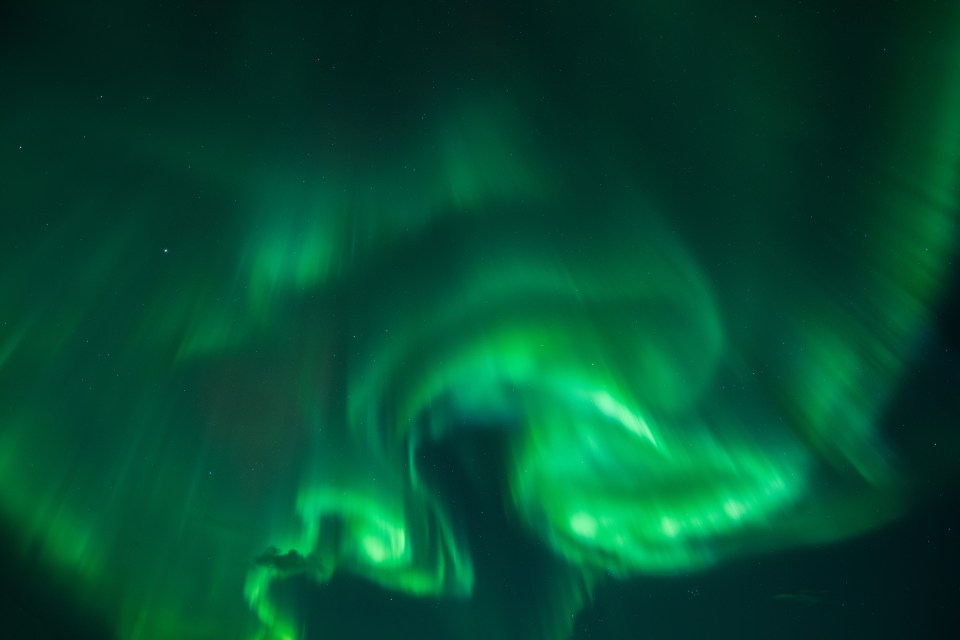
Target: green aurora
<point>671,268</point>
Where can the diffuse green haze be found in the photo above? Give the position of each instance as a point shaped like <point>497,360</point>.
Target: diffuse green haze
<point>677,287</point>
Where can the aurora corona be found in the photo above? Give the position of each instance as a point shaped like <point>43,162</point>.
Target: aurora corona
<point>681,350</point>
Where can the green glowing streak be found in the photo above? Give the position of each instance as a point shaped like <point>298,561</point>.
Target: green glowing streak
<point>669,390</point>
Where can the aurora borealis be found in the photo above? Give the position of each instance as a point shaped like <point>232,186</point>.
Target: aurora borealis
<point>476,311</point>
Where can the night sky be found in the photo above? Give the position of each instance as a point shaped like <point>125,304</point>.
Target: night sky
<point>469,320</point>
